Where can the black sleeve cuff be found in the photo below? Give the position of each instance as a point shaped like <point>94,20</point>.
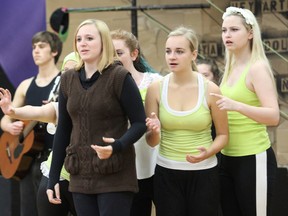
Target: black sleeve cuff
<point>116,147</point>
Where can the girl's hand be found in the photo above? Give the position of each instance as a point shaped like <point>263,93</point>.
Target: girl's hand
<point>15,128</point>
<point>104,152</point>
<point>153,123</point>
<point>225,103</point>
<point>5,102</point>
<point>50,195</point>
<point>197,158</point>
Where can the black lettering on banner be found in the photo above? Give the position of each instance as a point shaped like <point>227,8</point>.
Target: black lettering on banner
<point>267,6</point>
<point>240,4</point>
<point>209,49</point>
<point>244,4</point>
<point>284,84</point>
<point>280,45</point>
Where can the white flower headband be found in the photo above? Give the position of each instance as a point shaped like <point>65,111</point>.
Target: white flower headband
<point>243,12</point>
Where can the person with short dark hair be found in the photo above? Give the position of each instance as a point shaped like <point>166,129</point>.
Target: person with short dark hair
<point>36,91</point>
<point>46,113</point>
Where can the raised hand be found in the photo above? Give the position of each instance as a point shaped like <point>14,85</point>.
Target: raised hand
<point>5,102</point>
<point>153,123</point>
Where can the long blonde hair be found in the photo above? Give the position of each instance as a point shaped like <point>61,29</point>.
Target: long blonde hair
<point>108,53</point>
<point>256,46</point>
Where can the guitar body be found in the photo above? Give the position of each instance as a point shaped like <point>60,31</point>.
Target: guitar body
<point>17,154</point>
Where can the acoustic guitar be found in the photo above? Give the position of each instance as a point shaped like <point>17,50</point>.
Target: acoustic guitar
<point>17,152</point>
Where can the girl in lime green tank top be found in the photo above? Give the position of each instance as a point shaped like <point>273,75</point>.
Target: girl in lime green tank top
<point>180,111</point>
<point>248,164</point>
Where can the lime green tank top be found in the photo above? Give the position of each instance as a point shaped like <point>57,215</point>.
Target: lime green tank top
<point>183,132</point>
<point>246,136</point>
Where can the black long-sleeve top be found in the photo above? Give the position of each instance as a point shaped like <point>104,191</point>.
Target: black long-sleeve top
<point>130,102</point>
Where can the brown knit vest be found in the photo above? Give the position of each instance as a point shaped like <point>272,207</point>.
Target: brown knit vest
<point>96,113</point>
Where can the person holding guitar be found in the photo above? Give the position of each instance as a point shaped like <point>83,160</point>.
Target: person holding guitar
<point>34,91</point>
<point>47,113</point>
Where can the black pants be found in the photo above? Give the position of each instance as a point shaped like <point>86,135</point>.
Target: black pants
<point>142,201</point>
<point>186,193</point>
<point>240,177</point>
<point>28,190</point>
<point>45,208</point>
<point>105,204</point>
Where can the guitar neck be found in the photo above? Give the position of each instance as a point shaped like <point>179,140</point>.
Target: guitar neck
<point>28,128</point>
